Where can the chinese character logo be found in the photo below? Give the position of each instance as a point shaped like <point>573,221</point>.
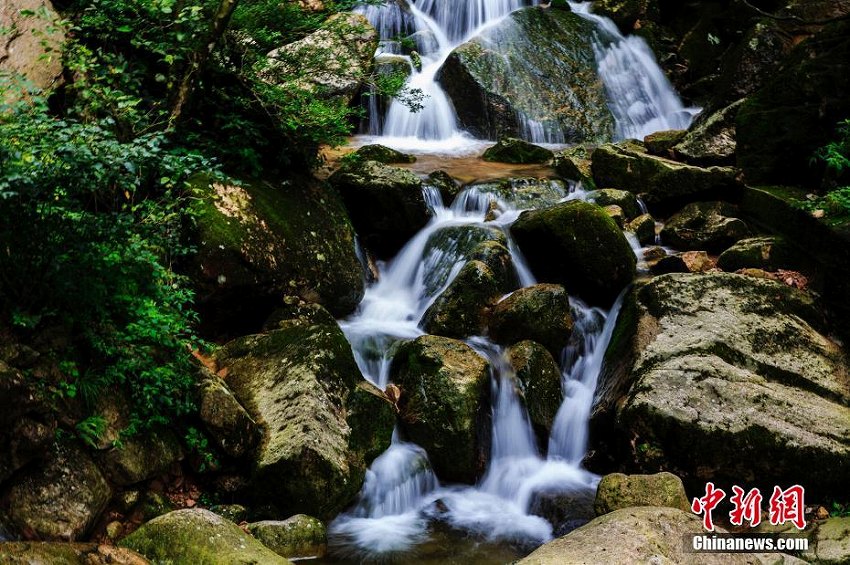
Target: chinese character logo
<point>784,506</point>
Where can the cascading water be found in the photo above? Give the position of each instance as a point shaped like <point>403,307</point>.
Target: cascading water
<point>402,497</point>
<point>640,97</point>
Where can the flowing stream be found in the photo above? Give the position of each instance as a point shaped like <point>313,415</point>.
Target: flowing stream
<point>640,97</point>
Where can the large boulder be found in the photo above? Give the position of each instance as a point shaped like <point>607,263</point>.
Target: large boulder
<point>830,544</point>
<point>540,313</point>
<point>574,164</point>
<point>386,203</point>
<point>322,423</point>
<point>644,534</point>
<point>31,40</point>
<point>60,500</point>
<point>710,141</point>
<point>578,245</point>
<point>769,253</point>
<point>381,154</point>
<point>510,77</point>
<point>331,62</point>
<point>540,383</point>
<point>523,192</point>
<point>299,537</point>
<point>663,184</point>
<point>627,201</point>
<point>616,491</point>
<point>460,311</point>
<point>711,226</point>
<point>140,457</point>
<point>796,111</point>
<point>190,537</point>
<point>726,377</point>
<point>517,151</point>
<point>259,241</point>
<point>55,553</point>
<point>231,427</point>
<point>444,403</point>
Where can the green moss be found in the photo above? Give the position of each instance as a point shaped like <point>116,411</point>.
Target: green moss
<point>517,151</point>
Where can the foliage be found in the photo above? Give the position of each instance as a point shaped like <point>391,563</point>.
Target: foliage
<point>199,445</point>
<point>836,157</point>
<point>96,230</point>
<point>839,510</point>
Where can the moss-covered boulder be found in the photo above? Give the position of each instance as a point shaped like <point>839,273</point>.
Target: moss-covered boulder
<point>260,241</point>
<point>61,499</point>
<point>540,313</point>
<point>769,253</point>
<point>578,245</point>
<point>687,262</point>
<point>512,74</point>
<point>517,151</point>
<point>711,140</point>
<point>661,142</point>
<point>725,377</point>
<point>830,543</point>
<point>646,534</point>
<point>198,537</point>
<point>451,244</point>
<point>711,226</point>
<point>298,537</point>
<point>664,184</point>
<point>574,164</point>
<point>382,154</point>
<point>228,423</point>
<point>540,383</point>
<point>616,491</point>
<point>322,423</point>
<point>524,192</point>
<point>27,427</point>
<point>627,201</point>
<point>460,311</point>
<point>54,553</point>
<point>644,229</point>
<point>141,457</point>
<point>386,203</point>
<point>447,185</point>
<point>444,404</point>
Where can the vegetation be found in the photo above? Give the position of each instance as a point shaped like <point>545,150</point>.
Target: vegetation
<point>835,156</point>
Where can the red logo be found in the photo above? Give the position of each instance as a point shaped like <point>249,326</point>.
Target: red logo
<point>785,506</point>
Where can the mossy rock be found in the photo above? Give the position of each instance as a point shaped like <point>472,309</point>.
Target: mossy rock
<point>54,553</point>
<point>769,253</point>
<point>644,229</point>
<point>451,244</point>
<point>447,185</point>
<point>664,184</point>
<point>513,72</point>
<point>574,164</point>
<point>627,201</point>
<point>710,226</point>
<point>298,537</point>
<point>444,404</point>
<point>524,192</point>
<point>687,262</point>
<point>540,384</point>
<point>322,424</point>
<point>712,140</point>
<point>830,544</point>
<point>382,154</point>
<point>386,203</point>
<point>198,537</point>
<point>627,13</point>
<point>539,313</point>
<point>578,245</point>
<point>618,491</point>
<point>459,312</point>
<point>259,241</point>
<point>516,151</point>
<point>661,142</point>
<point>227,422</point>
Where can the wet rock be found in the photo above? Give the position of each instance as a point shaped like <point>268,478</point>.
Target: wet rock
<point>618,491</point>
<point>663,184</point>
<point>460,311</point>
<point>30,47</point>
<point>451,244</point>
<point>517,68</point>
<point>524,193</point>
<point>229,424</point>
<point>616,214</point>
<point>322,424</point>
<point>259,241</point>
<point>711,226</point>
<point>298,537</point>
<point>660,143</point>
<point>60,500</point>
<point>517,151</point>
<point>449,187</point>
<point>627,13</point>
<point>444,404</point>
<point>539,313</point>
<point>574,164</point>
<point>711,141</point>
<point>726,377</point>
<point>27,429</point>
<point>188,537</point>
<point>830,544</point>
<point>644,229</point>
<point>236,513</point>
<point>627,201</point>
<point>53,553</point>
<point>540,383</point>
<point>382,154</point>
<point>687,262</point>
<point>154,504</point>
<point>386,203</point>
<point>498,259</point>
<point>565,510</point>
<point>767,253</point>
<point>576,244</point>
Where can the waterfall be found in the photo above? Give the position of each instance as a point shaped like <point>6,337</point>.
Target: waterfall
<point>401,495</point>
<point>640,97</point>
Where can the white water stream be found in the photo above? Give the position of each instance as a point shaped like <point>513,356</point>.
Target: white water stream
<point>640,97</point>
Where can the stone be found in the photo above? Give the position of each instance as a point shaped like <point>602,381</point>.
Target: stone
<point>385,203</point>
<point>512,74</point>
<point>27,428</point>
<point>687,262</point>
<point>451,244</point>
<point>55,553</point>
<point>766,252</point>
<point>574,164</point>
<point>298,537</point>
<point>236,513</point>
<point>61,499</point>
<point>627,201</point>
<point>644,229</point>
<point>140,457</point>
<point>540,384</point>
<point>189,537</point>
<point>618,491</point>
<point>566,510</point>
<point>382,154</point>
<point>661,142</point>
<point>322,423</point>
<point>460,311</point>
<point>539,313</point>
<point>447,185</point>
<point>229,424</point>
<point>830,543</point>
<point>444,403</point>
<point>725,377</point>
<point>578,245</point>
<point>663,184</point>
<point>709,226</point>
<point>516,151</point>
<point>628,13</point>
<point>711,140</point>
<point>524,192</point>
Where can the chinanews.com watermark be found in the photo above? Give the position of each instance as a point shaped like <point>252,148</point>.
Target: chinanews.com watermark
<point>784,507</point>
